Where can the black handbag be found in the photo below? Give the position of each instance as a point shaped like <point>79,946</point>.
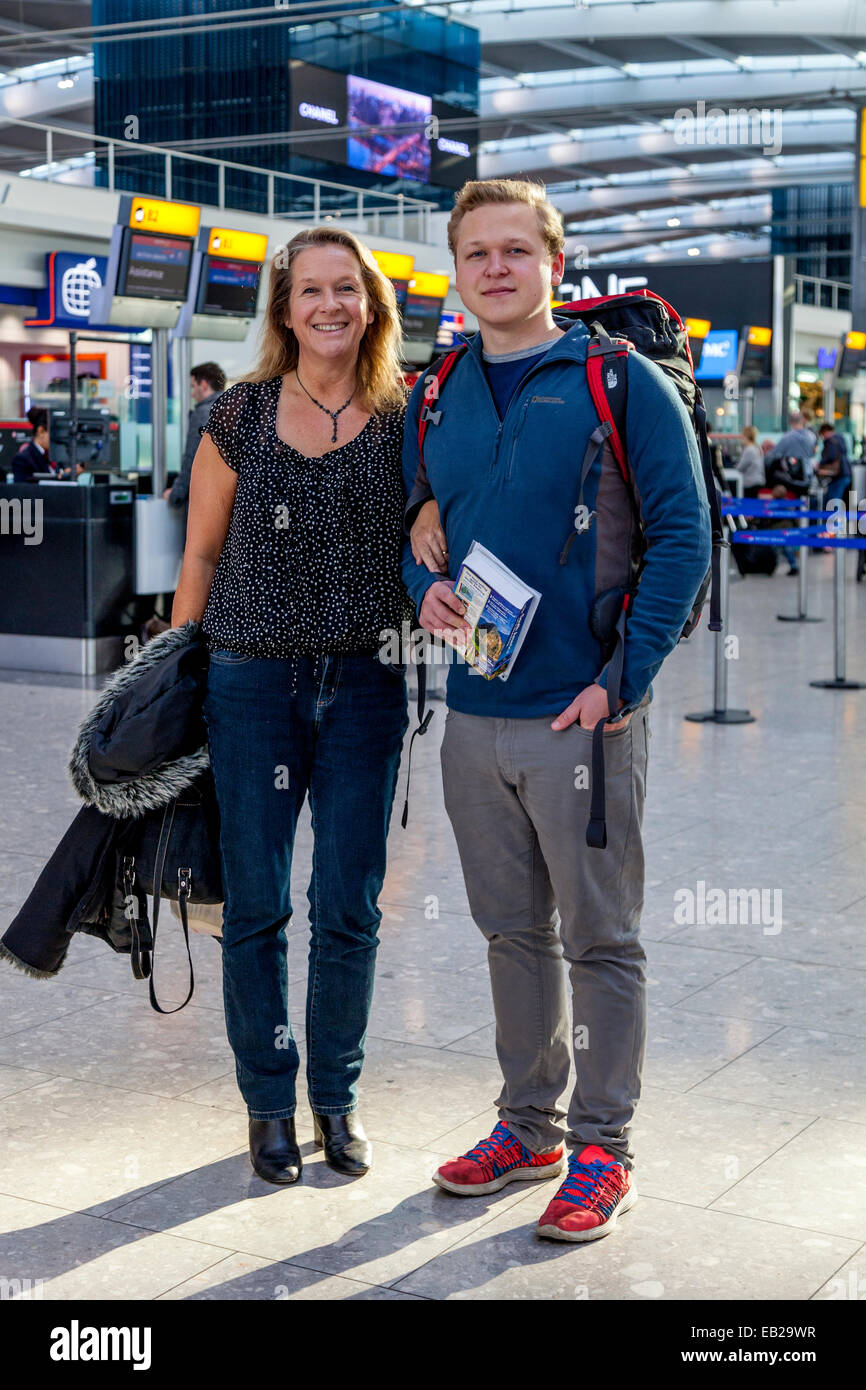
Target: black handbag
<point>170,853</point>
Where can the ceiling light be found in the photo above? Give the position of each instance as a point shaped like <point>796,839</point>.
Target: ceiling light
<point>694,251</point>
<point>66,82</point>
<point>673,221</point>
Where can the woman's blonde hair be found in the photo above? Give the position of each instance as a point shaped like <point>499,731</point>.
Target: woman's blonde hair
<point>750,433</point>
<point>379,378</point>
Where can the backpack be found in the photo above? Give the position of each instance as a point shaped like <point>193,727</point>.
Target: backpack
<point>638,321</point>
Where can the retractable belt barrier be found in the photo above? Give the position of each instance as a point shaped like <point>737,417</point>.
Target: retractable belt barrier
<point>804,537</point>
<point>783,509</point>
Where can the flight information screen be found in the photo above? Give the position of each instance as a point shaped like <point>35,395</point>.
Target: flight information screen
<point>421,315</point>
<point>230,287</point>
<point>155,267</point>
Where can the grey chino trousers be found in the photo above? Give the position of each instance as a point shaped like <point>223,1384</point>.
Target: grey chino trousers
<point>518,796</point>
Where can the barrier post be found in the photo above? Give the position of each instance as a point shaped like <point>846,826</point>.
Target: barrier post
<point>720,714</point>
<point>839,682</point>
<point>801,616</point>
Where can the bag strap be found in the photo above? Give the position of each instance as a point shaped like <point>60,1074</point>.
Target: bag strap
<point>423,726</point>
<point>716,525</point>
<point>135,910</point>
<point>185,887</point>
<point>609,389</point>
<point>596,831</point>
<point>434,381</point>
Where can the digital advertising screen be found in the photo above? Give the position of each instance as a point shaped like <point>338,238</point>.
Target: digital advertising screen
<point>453,148</point>
<point>396,153</point>
<point>436,151</point>
<point>719,356</point>
<point>229,287</point>
<point>318,104</point>
<point>154,266</point>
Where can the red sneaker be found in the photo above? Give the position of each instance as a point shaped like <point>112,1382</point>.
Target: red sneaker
<point>596,1191</point>
<point>494,1162</point>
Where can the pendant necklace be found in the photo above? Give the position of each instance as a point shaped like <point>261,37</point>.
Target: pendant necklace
<point>333,413</point>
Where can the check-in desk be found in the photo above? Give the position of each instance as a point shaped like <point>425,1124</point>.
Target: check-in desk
<point>66,575</point>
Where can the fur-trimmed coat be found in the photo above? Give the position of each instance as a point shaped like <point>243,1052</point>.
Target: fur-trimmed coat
<point>141,745</point>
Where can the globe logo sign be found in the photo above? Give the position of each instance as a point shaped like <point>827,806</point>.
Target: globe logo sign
<point>77,283</point>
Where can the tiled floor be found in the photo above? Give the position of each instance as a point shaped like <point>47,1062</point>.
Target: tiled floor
<point>123,1164</point>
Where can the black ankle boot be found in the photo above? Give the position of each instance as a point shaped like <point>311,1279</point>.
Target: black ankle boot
<point>347,1148</point>
<point>274,1151</point>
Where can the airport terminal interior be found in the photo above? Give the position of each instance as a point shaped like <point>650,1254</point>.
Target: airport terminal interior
<point>707,159</point>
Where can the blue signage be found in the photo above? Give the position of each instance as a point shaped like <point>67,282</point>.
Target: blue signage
<point>451,322</point>
<point>139,381</point>
<point>719,355</point>
<point>71,279</point>
<point>827,358</point>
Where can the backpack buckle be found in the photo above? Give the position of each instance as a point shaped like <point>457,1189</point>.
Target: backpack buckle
<point>184,882</point>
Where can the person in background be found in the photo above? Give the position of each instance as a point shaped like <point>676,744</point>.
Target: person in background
<point>808,415</point>
<point>751,463</point>
<point>834,468</point>
<point>789,470</point>
<point>791,458</point>
<point>207,383</point>
<point>32,457</point>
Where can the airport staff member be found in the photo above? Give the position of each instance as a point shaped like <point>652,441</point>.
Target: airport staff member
<point>207,383</point>
<point>32,457</point>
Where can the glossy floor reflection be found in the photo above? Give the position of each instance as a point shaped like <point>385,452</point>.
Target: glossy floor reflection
<point>123,1163</point>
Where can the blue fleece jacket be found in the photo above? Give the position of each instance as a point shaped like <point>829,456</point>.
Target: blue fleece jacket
<point>511,484</point>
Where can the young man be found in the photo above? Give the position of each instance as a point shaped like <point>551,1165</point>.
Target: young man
<point>502,452</point>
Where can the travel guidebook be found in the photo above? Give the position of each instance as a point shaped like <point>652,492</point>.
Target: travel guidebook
<point>499,609</point>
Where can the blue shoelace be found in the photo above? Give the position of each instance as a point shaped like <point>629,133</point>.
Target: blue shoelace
<point>586,1183</point>
<point>501,1137</point>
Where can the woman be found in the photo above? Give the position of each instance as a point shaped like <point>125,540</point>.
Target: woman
<point>292,564</point>
<point>751,463</point>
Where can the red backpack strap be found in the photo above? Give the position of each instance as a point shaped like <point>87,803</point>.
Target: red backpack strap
<point>434,380</point>
<point>608,384</point>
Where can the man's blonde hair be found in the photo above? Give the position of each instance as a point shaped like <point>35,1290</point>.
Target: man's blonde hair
<point>479,193</point>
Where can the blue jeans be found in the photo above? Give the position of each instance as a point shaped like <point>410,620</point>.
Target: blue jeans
<point>838,488</point>
<point>278,729</point>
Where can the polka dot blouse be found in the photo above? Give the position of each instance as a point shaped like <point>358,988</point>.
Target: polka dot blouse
<point>311,559</point>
